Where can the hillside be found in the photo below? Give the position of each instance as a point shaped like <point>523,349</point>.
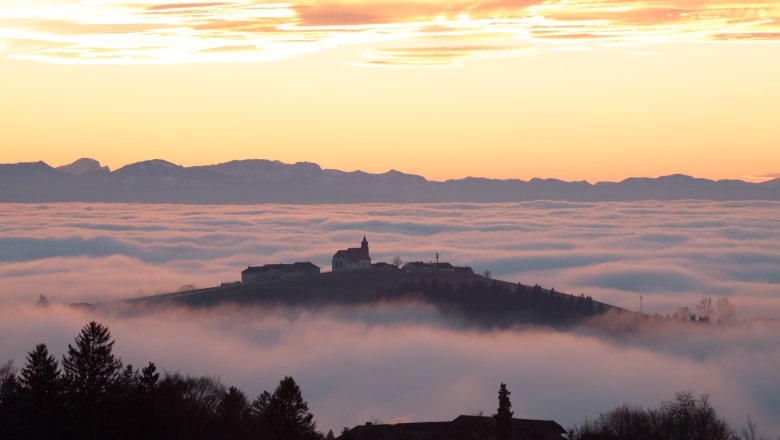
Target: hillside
<point>265,181</point>
<point>469,298</point>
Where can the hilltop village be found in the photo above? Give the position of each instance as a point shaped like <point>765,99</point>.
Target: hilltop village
<point>350,259</point>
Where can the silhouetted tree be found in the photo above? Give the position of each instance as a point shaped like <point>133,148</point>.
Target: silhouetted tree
<point>260,404</point>
<point>397,262</point>
<point>11,410</point>
<point>750,431</point>
<point>725,310</point>
<point>91,373</point>
<point>683,418</point>
<point>143,416</point>
<point>503,416</point>
<point>42,301</point>
<point>705,308</point>
<point>90,367</point>
<point>287,415</point>
<point>149,378</point>
<point>41,390</point>
<point>40,379</point>
<point>233,414</point>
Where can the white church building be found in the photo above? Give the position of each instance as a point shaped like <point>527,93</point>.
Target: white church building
<point>352,258</point>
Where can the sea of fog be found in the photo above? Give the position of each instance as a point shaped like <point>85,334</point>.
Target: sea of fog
<point>404,361</point>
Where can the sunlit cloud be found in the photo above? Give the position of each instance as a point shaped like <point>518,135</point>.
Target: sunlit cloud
<point>120,32</point>
<point>762,177</point>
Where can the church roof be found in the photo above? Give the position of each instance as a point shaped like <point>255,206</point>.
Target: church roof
<point>353,255</point>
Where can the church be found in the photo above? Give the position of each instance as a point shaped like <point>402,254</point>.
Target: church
<point>352,258</point>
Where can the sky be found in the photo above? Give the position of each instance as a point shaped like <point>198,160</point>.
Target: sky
<point>407,361</point>
<point>571,89</point>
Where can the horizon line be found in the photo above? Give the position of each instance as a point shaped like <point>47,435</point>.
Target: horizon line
<point>752,179</point>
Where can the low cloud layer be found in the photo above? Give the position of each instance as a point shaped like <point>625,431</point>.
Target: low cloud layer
<point>159,31</point>
<point>671,253</point>
<point>403,362</point>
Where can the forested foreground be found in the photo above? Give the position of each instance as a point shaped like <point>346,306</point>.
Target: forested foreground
<point>90,394</point>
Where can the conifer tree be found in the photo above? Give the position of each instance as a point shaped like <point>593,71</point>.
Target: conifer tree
<point>149,378</point>
<point>287,414</point>
<point>90,367</point>
<point>503,416</point>
<point>40,379</point>
<point>10,408</point>
<point>233,413</point>
<point>260,404</point>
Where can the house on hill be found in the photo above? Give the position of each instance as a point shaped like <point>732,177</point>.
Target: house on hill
<point>384,266</point>
<point>253,274</point>
<point>419,266</point>
<point>462,428</point>
<point>352,258</point>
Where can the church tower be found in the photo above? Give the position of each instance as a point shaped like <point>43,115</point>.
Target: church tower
<point>352,258</point>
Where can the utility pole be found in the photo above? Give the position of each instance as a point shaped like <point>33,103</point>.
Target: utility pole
<point>640,304</point>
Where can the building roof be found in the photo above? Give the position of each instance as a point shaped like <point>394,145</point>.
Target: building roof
<point>282,267</point>
<point>353,255</point>
<point>463,427</point>
<point>305,265</point>
<point>418,265</point>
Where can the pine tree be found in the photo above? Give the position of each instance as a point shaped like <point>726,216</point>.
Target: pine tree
<point>90,367</point>
<point>93,386</point>
<point>149,378</point>
<point>503,416</point>
<point>40,379</point>
<point>287,415</point>
<point>11,410</point>
<point>233,413</point>
<point>260,404</point>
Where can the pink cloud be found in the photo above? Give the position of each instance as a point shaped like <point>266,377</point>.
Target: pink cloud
<point>281,30</point>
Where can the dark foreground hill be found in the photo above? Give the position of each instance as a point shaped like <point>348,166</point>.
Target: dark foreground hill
<point>264,181</point>
<point>470,299</point>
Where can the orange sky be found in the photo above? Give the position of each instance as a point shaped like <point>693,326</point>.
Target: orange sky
<point>577,89</point>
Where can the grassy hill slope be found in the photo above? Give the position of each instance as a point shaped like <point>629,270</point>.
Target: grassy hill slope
<point>481,301</point>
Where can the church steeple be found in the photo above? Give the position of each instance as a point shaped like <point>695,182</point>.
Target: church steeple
<point>364,243</point>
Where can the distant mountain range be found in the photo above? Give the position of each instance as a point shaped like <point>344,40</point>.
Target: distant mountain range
<point>261,181</point>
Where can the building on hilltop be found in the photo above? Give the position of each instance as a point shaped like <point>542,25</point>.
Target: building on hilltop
<point>352,258</point>
<point>462,428</point>
<point>415,266</point>
<point>419,266</point>
<point>384,266</point>
<point>464,269</point>
<point>253,274</point>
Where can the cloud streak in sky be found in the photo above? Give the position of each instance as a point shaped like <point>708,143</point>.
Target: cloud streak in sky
<point>119,32</point>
